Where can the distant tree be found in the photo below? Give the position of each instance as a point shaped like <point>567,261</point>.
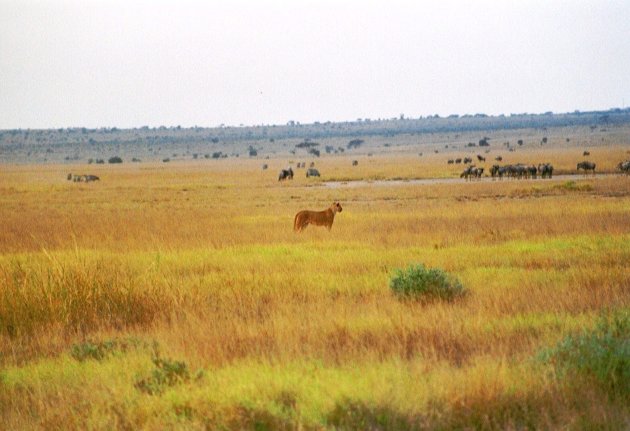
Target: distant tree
<point>307,143</point>
<point>114,159</point>
<point>520,142</point>
<point>355,143</point>
<point>314,152</point>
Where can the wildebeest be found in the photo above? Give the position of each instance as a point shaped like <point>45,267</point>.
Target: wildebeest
<point>587,166</point>
<point>89,178</point>
<point>69,177</point>
<point>472,172</point>
<point>317,218</point>
<point>450,161</point>
<point>312,172</point>
<point>586,153</point>
<point>312,164</point>
<point>545,170</point>
<point>264,166</point>
<point>481,158</point>
<point>494,170</point>
<point>517,171</point>
<point>498,158</point>
<point>624,166</point>
<point>458,160</point>
<point>467,160</point>
<point>285,174</point>
<point>355,163</point>
<point>531,171</point>
<point>466,172</point>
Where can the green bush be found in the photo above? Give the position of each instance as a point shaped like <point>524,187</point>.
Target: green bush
<point>601,355</point>
<point>421,283</point>
<point>99,350</point>
<point>165,374</point>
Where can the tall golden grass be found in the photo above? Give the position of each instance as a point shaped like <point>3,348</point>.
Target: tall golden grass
<point>297,331</point>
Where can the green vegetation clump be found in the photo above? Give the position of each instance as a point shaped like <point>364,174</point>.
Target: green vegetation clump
<point>421,283</point>
<point>99,350</point>
<point>166,373</point>
<point>572,186</point>
<point>601,355</point>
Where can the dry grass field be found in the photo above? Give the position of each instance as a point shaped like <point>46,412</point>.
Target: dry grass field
<point>177,296</point>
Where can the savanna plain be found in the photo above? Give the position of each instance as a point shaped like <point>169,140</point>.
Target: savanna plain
<point>177,296</point>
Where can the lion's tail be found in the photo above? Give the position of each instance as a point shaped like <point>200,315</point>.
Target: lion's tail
<point>295,223</point>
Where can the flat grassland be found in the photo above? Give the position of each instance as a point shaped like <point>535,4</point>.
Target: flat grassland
<point>176,296</point>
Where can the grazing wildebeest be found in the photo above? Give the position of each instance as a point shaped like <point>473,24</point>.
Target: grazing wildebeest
<point>264,166</point>
<point>471,172</point>
<point>587,166</point>
<point>285,174</point>
<point>481,158</point>
<point>498,158</point>
<point>312,164</point>
<point>312,172</point>
<point>466,172</point>
<point>586,153</point>
<point>317,218</point>
<point>69,177</point>
<point>624,166</point>
<point>355,163</point>
<point>89,178</point>
<point>467,160</point>
<point>450,161</point>
<point>458,160</point>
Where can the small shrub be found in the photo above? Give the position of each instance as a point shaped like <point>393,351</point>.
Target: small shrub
<point>166,373</point>
<point>601,355</point>
<point>421,283</point>
<point>114,159</point>
<point>100,350</point>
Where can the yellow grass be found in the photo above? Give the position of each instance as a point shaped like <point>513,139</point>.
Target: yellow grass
<point>302,330</point>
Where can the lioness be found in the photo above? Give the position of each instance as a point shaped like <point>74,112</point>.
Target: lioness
<point>318,218</point>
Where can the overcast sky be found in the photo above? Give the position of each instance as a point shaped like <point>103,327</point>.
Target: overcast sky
<point>135,63</point>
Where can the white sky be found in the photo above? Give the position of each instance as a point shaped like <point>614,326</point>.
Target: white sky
<point>135,63</point>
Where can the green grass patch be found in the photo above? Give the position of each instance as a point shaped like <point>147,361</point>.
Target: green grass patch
<point>601,355</point>
<point>425,284</point>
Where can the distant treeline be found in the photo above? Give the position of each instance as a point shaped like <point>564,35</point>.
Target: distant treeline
<point>19,138</point>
